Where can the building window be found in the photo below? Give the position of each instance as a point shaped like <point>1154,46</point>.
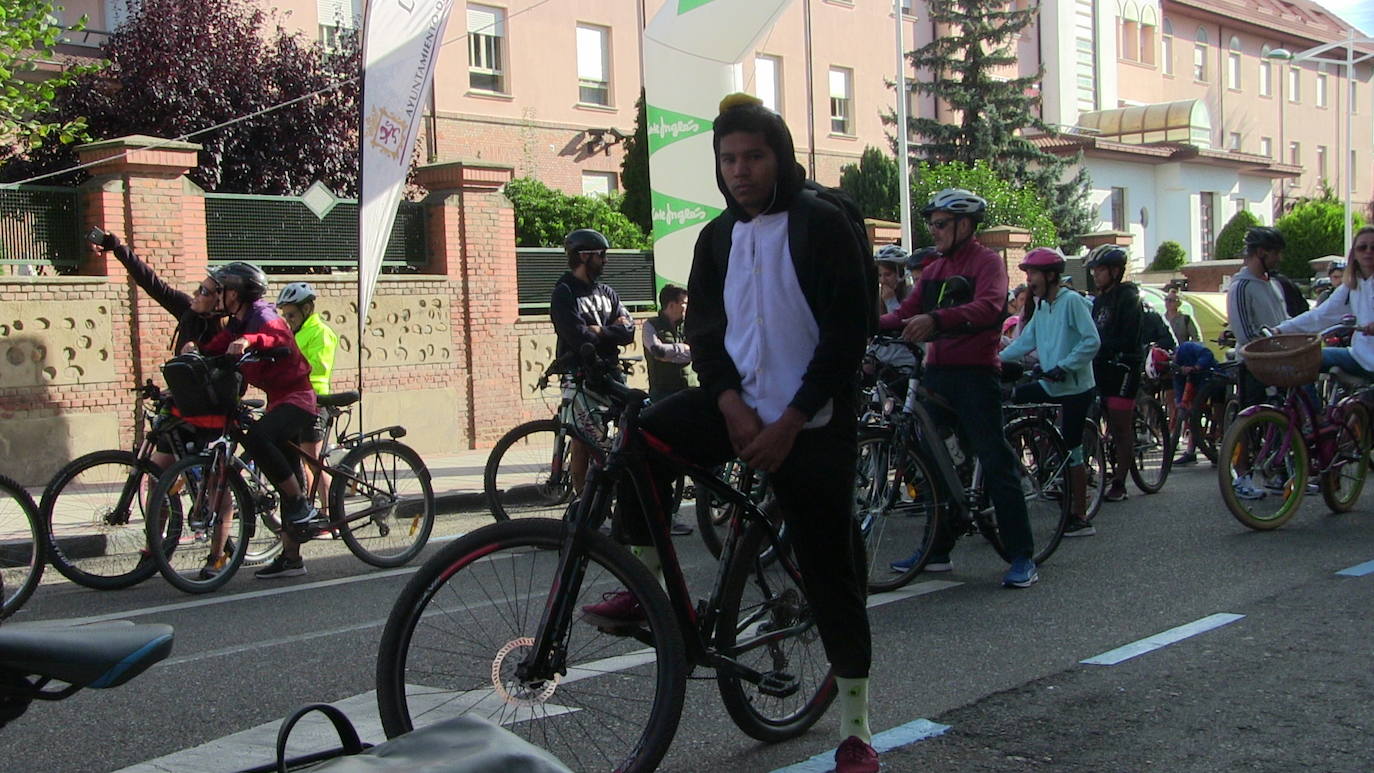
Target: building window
<point>1118,204</point>
<point>1354,103</point>
<point>1266,73</point>
<point>1166,47</point>
<point>336,19</point>
<point>117,12</point>
<point>1147,35</point>
<point>1267,147</point>
<point>1321,89</point>
<point>1128,25</point>
<point>599,183</point>
<point>1200,56</point>
<point>1294,85</point>
<point>906,7</point>
<point>1295,153</point>
<point>841,100</point>
<point>1207,222</point>
<point>1241,205</point>
<point>593,65</point>
<point>1233,141</point>
<point>1321,162</point>
<point>1354,173</point>
<point>768,81</point>
<point>1233,65</point>
<point>486,48</point>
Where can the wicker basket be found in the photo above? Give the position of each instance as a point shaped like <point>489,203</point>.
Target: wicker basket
<point>1284,360</point>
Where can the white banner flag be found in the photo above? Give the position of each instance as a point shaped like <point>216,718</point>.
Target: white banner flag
<point>401,40</point>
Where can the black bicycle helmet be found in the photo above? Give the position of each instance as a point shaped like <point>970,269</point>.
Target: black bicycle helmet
<point>583,240</point>
<point>956,201</point>
<point>921,257</point>
<point>244,278</point>
<point>1263,237</point>
<point>1107,255</point>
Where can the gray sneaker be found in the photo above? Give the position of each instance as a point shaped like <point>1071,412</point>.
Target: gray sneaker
<point>281,566</point>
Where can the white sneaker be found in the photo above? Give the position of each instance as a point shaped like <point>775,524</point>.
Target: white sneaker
<point>1246,489</point>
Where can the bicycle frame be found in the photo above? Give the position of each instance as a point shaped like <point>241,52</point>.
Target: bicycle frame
<point>1302,412</point>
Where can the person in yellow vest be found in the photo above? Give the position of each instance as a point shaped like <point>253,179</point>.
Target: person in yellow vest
<point>318,343</point>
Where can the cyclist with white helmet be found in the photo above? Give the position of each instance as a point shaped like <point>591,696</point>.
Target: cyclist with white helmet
<point>318,343</point>
<point>958,307</point>
<point>892,286</point>
<point>1059,326</point>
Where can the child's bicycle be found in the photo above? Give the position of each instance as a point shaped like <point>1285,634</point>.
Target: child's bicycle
<point>491,625</point>
<point>380,500</point>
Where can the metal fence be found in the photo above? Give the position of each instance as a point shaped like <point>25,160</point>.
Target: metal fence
<point>630,273</point>
<point>39,226</point>
<point>295,234</point>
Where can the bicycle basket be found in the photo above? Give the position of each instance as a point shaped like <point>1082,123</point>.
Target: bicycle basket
<point>1284,360</point>
<point>200,388</point>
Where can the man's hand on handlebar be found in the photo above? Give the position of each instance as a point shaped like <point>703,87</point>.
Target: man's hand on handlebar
<point>919,328</point>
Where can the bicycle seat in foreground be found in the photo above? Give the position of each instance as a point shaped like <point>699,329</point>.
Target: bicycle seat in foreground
<point>95,656</point>
<point>338,399</point>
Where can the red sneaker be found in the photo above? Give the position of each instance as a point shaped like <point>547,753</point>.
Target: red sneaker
<point>855,756</point>
<point>616,608</point>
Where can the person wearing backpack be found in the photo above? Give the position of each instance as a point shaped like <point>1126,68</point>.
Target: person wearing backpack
<point>958,306</point>
<point>781,301</point>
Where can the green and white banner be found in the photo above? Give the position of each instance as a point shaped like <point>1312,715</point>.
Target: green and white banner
<point>691,48</point>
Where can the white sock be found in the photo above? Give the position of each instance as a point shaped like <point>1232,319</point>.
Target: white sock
<point>648,555</point>
<point>853,700</point>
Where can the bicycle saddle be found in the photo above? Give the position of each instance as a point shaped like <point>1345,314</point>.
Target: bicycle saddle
<point>95,656</point>
<point>1349,380</point>
<point>338,399</point>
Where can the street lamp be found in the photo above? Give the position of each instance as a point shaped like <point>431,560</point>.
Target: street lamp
<point>1315,55</point>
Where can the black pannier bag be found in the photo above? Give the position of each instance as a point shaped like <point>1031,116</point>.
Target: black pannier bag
<point>200,387</point>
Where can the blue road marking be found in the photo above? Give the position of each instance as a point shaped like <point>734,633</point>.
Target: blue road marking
<point>1165,638</point>
<point>1358,570</point>
<point>897,737</point>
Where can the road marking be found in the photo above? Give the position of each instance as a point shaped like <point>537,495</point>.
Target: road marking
<point>911,591</point>
<point>886,741</point>
<point>1358,570</point>
<point>1165,638</point>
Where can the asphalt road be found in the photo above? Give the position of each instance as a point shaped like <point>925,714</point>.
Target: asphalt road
<point>1284,686</point>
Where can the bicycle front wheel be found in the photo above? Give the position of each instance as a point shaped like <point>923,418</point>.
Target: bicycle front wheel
<point>1095,463</point>
<point>199,504</point>
<point>529,472</point>
<point>896,509</point>
<point>459,632</point>
<point>1343,479</point>
<point>1042,466</point>
<point>383,503</point>
<point>1262,469</point>
<point>1154,446</point>
<point>21,546</point>
<point>94,514</point>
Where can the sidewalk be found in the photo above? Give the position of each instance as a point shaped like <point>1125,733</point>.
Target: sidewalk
<point>457,480</point>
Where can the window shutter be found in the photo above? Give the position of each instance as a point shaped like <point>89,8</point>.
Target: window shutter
<point>486,21</point>
<point>591,59</point>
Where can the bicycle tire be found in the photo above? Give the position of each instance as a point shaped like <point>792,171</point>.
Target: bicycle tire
<point>389,525</point>
<point>1207,420</point>
<point>1344,478</point>
<point>898,515</point>
<point>1095,460</point>
<point>768,603</point>
<point>480,599</point>
<point>529,473</point>
<point>176,543</point>
<point>1154,445</point>
<point>21,559</point>
<point>1042,464</point>
<point>1264,439</point>
<point>92,538</point>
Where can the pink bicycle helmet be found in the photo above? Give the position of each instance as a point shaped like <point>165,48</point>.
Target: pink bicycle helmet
<point>1043,259</point>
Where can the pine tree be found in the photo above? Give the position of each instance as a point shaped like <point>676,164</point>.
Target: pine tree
<point>874,184</point>
<point>636,204</point>
<point>962,63</point>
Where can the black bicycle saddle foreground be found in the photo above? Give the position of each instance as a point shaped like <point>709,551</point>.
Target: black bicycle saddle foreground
<point>96,656</point>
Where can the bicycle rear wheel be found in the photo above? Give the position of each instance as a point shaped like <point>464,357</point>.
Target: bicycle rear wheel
<point>1267,457</point>
<point>465,622</point>
<point>1042,465</point>
<point>529,472</point>
<point>1343,479</point>
<point>94,517</point>
<point>21,546</point>
<point>198,495</point>
<point>896,510</point>
<point>1095,462</point>
<point>1208,419</point>
<point>1154,446</point>
<point>384,513</point>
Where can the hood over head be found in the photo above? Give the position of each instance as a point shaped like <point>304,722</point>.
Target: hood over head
<point>745,112</point>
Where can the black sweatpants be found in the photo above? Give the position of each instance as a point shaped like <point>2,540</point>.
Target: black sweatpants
<point>268,440</point>
<point>814,489</point>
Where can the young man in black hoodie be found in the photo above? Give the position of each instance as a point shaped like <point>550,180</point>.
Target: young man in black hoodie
<point>1120,360</point>
<point>777,341</point>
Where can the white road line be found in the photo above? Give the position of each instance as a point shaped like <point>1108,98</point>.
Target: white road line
<point>886,741</point>
<point>1358,570</point>
<point>256,745</point>
<point>1165,638</point>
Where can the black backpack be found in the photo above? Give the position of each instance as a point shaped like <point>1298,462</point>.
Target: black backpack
<point>199,387</point>
<point>797,235</point>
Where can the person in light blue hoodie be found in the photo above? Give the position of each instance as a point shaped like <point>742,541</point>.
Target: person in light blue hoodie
<point>1062,332</point>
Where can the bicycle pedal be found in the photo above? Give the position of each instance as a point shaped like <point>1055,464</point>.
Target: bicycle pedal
<point>779,684</point>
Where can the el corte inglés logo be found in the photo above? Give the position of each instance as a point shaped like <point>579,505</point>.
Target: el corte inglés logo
<point>666,127</point>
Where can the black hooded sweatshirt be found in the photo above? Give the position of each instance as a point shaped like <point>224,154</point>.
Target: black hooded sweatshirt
<point>829,269</point>
<point>190,325</point>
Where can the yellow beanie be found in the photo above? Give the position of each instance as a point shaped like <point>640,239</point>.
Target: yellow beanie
<point>738,99</point>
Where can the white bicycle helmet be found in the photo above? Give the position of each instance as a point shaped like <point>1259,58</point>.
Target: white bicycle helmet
<point>892,253</point>
<point>957,201</point>
<point>296,293</point>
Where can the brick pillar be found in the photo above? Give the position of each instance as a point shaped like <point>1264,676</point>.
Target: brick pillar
<point>1121,239</point>
<point>1012,243</point>
<point>472,241</point>
<point>140,193</point>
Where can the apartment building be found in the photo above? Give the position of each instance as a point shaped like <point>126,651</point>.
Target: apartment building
<point>1181,116</point>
